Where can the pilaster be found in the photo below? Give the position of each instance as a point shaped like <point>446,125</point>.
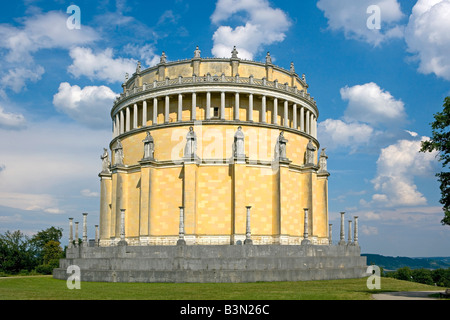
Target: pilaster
<point>239,198</point>
<point>190,171</point>
<point>105,204</point>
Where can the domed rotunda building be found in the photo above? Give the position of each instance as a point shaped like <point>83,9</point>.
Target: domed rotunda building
<point>214,151</point>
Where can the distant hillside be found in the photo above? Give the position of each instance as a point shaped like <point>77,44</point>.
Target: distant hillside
<point>394,263</point>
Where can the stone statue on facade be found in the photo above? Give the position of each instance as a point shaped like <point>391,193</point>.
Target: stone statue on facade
<point>197,52</point>
<point>118,153</point>
<point>268,58</point>
<point>149,147</point>
<point>106,164</point>
<point>310,153</point>
<point>190,149</point>
<point>239,146</point>
<point>138,67</point>
<point>323,161</point>
<point>292,67</point>
<point>280,149</point>
<point>163,58</point>
<point>234,53</point>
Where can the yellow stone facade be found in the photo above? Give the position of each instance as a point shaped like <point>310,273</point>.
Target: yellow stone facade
<point>216,98</point>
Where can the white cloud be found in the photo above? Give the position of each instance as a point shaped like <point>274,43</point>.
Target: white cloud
<point>88,193</point>
<point>263,25</point>
<point>351,17</point>
<point>16,78</point>
<point>371,104</point>
<point>47,164</point>
<point>89,106</point>
<point>40,31</point>
<point>11,120</point>
<point>101,66</point>
<point>145,53</point>
<point>397,166</point>
<point>335,133</point>
<point>30,202</point>
<point>369,230</point>
<point>428,38</point>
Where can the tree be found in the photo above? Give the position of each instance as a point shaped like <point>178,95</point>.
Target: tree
<point>16,253</point>
<point>43,237</point>
<point>440,142</point>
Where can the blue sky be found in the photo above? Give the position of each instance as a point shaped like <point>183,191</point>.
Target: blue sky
<point>376,89</point>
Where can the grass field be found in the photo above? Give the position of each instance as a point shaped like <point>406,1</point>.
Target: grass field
<point>47,288</point>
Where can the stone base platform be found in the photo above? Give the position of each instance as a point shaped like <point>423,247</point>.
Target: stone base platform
<point>221,263</point>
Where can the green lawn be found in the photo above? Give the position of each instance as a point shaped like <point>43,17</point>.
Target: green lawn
<point>47,288</point>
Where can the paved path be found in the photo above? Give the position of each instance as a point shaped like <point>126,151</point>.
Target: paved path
<point>406,295</point>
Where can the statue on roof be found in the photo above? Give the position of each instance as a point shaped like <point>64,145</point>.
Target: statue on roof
<point>234,53</point>
<point>268,58</point>
<point>163,58</point>
<point>197,53</point>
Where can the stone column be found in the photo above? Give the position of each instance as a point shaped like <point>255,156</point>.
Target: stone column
<point>135,116</point>
<point>302,119</point>
<point>330,237</point>
<point>355,236</point>
<point>312,125</point>
<point>294,113</point>
<point>250,107</point>
<point>305,225</point>
<point>122,122</point>
<point>342,235</point>
<point>70,232</point>
<point>128,116</point>
<point>286,112</point>
<point>155,111</point>
<point>194,107</point>
<point>180,108</point>
<point>76,234</point>
<point>308,118</point>
<point>263,109</point>
<point>181,232</point>
<point>117,125</point>
<point>96,235</point>
<point>208,105</point>
<point>248,232</point>
<point>122,228</point>
<point>166,110</point>
<point>144,113</point>
<point>275,111</point>
<point>222,106</point>
<point>85,240</point>
<point>236,106</point>
<point>349,232</point>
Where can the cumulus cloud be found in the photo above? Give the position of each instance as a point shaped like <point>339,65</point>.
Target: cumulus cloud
<point>100,66</point>
<point>351,17</point>
<point>397,166</point>
<point>145,53</point>
<point>89,106</point>
<point>11,120</point>
<point>263,25</point>
<point>18,44</point>
<point>370,110</point>
<point>334,133</point>
<point>371,104</point>
<point>428,38</point>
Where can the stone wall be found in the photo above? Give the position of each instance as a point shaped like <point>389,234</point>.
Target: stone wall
<point>204,264</point>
